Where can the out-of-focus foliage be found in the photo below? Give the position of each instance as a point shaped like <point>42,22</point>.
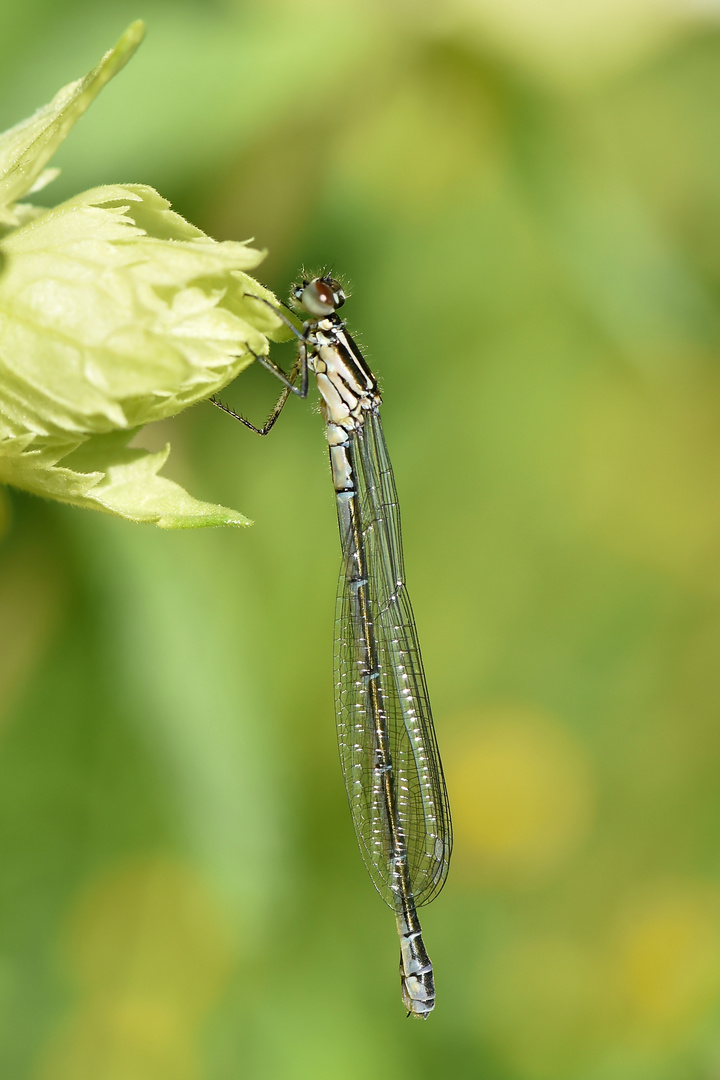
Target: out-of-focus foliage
<point>27,146</point>
<point>525,198</point>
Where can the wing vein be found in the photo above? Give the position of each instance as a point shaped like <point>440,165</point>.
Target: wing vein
<point>421,802</point>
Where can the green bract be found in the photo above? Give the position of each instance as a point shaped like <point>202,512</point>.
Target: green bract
<point>114,312</point>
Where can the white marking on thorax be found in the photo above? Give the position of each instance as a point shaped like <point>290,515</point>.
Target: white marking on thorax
<point>336,435</point>
<point>336,410</point>
<point>344,398</point>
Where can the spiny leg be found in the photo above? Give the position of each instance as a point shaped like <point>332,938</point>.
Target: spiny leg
<point>299,368</point>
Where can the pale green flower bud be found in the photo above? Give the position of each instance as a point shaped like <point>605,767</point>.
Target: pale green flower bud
<point>114,312</point>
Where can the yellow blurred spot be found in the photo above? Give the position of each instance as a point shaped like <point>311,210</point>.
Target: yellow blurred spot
<point>139,1041</point>
<point>570,42</point>
<point>144,1022</point>
<point>552,1002</point>
<point>152,926</point>
<point>521,793</point>
<point>669,958</point>
<point>150,953</point>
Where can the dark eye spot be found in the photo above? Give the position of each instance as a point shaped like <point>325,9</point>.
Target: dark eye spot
<point>324,293</point>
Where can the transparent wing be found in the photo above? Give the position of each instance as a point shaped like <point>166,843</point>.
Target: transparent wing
<point>388,655</point>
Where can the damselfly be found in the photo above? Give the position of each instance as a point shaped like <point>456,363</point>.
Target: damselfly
<point>389,754</point>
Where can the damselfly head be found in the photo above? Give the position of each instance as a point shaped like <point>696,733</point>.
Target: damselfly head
<point>320,297</point>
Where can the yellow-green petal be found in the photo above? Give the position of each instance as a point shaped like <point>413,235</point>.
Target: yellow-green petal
<point>114,312</point>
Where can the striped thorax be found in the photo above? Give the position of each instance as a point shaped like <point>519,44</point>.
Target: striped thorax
<point>347,386</point>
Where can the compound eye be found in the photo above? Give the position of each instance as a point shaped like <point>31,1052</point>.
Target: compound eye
<point>338,293</point>
<point>318,297</point>
<point>297,291</point>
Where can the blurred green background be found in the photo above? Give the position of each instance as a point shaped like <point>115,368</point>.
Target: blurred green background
<point>524,198</point>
